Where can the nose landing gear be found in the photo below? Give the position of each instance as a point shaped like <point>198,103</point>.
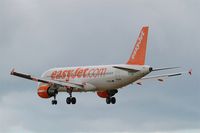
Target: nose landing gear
<point>54,101</point>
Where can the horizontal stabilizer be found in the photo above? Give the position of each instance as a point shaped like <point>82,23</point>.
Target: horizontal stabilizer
<point>126,69</point>
<point>167,68</point>
<point>162,77</point>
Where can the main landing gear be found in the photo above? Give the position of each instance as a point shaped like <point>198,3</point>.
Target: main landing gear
<point>110,100</point>
<point>70,99</point>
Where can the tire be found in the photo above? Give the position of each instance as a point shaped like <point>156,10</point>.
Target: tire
<point>68,100</point>
<point>54,102</point>
<point>113,100</point>
<point>73,100</point>
<point>108,100</point>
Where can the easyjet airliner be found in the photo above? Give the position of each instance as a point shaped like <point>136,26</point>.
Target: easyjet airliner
<point>104,79</point>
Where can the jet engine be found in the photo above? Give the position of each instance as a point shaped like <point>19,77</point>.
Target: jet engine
<point>106,94</point>
<point>45,91</point>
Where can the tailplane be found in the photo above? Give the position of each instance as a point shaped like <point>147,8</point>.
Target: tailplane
<point>139,52</point>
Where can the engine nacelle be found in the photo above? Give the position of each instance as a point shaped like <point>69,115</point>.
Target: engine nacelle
<point>45,91</point>
<point>105,94</point>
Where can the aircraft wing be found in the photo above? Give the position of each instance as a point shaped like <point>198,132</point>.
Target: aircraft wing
<point>162,77</point>
<point>46,81</point>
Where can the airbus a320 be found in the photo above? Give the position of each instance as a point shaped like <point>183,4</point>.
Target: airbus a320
<point>105,80</point>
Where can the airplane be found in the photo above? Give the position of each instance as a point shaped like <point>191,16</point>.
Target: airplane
<point>105,80</point>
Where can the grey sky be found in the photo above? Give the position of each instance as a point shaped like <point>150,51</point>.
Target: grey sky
<point>40,34</point>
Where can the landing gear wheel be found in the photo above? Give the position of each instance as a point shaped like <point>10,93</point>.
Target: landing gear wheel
<point>73,100</point>
<point>113,100</point>
<point>54,102</point>
<point>108,100</point>
<point>68,100</point>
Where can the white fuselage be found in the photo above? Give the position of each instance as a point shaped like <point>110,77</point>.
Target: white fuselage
<point>98,78</point>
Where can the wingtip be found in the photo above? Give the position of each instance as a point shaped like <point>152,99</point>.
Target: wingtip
<point>190,72</point>
<point>12,71</point>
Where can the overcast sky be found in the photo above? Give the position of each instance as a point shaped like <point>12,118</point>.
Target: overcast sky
<point>36,35</point>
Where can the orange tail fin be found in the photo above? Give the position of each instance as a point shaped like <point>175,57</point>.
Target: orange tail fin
<point>139,52</point>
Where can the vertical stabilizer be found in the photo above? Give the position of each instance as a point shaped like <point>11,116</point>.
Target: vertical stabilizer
<point>139,52</point>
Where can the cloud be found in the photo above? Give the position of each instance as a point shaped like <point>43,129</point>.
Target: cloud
<point>38,35</point>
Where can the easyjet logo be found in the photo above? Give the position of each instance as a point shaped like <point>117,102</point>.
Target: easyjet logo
<point>137,46</point>
<point>78,73</point>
